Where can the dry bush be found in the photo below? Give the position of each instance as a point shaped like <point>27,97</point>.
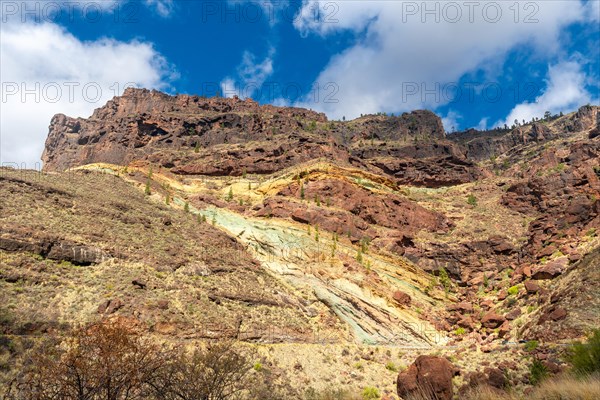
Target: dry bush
<point>108,360</point>
<point>487,393</point>
<point>568,389</point>
<point>564,388</point>
<point>111,360</point>
<point>222,371</point>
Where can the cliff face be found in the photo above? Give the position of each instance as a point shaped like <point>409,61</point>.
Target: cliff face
<point>192,135</point>
<point>213,218</point>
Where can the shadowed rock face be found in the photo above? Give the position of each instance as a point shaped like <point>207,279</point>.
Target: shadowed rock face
<point>217,136</point>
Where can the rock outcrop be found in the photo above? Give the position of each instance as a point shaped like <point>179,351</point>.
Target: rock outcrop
<point>428,377</point>
<point>191,135</point>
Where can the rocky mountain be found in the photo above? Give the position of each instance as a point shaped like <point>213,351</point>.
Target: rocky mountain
<point>210,217</point>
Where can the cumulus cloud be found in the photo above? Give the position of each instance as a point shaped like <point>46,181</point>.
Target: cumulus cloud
<point>400,45</point>
<point>251,75</point>
<point>565,91</point>
<point>164,8</point>
<point>46,70</point>
<point>451,121</point>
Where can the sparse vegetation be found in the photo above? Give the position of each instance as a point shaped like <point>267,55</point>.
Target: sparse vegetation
<point>472,200</point>
<point>513,290</point>
<point>531,345</point>
<point>370,393</point>
<point>537,372</point>
<point>585,357</point>
<point>390,366</point>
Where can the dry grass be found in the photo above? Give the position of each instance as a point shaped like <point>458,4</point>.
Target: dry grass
<point>565,388</point>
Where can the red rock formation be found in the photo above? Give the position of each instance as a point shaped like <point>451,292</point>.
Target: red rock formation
<point>429,376</point>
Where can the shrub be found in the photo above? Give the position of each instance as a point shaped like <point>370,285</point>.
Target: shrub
<point>585,357</point>
<point>390,366</point>
<point>537,372</point>
<point>108,360</point>
<point>513,290</point>
<point>445,279</point>
<point>460,331</point>
<point>370,393</point>
<point>472,200</point>
<point>531,345</point>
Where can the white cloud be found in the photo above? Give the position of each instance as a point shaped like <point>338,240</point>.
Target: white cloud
<point>55,67</point>
<point>398,46</point>
<point>251,75</point>
<point>593,10</point>
<point>483,124</point>
<point>451,121</point>
<point>164,8</point>
<point>565,91</point>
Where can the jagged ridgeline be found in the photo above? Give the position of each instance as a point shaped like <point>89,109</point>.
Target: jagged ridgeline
<point>210,218</point>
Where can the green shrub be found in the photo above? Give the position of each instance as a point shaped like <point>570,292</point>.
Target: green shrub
<point>585,357</point>
<point>537,372</point>
<point>513,290</point>
<point>258,367</point>
<point>445,279</point>
<point>390,366</point>
<point>370,393</point>
<point>460,331</point>
<point>472,200</point>
<point>531,345</point>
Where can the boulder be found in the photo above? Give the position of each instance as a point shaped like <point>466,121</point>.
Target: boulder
<point>110,306</point>
<point>139,283</point>
<point>532,287</point>
<point>492,320</point>
<point>429,376</point>
<point>550,270</point>
<point>402,298</point>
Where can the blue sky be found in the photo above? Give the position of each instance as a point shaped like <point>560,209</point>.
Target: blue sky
<point>477,64</point>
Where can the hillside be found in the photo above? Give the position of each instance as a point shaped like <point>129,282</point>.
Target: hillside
<point>383,237</point>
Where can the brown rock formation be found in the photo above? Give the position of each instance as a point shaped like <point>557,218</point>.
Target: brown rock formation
<point>429,376</point>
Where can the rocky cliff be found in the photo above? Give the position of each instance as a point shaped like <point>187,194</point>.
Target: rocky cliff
<point>211,217</point>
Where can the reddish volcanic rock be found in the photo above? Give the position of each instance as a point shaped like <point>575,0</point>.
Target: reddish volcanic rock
<point>429,374</point>
<point>401,298</point>
<point>492,320</point>
<point>531,287</point>
<point>550,270</point>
